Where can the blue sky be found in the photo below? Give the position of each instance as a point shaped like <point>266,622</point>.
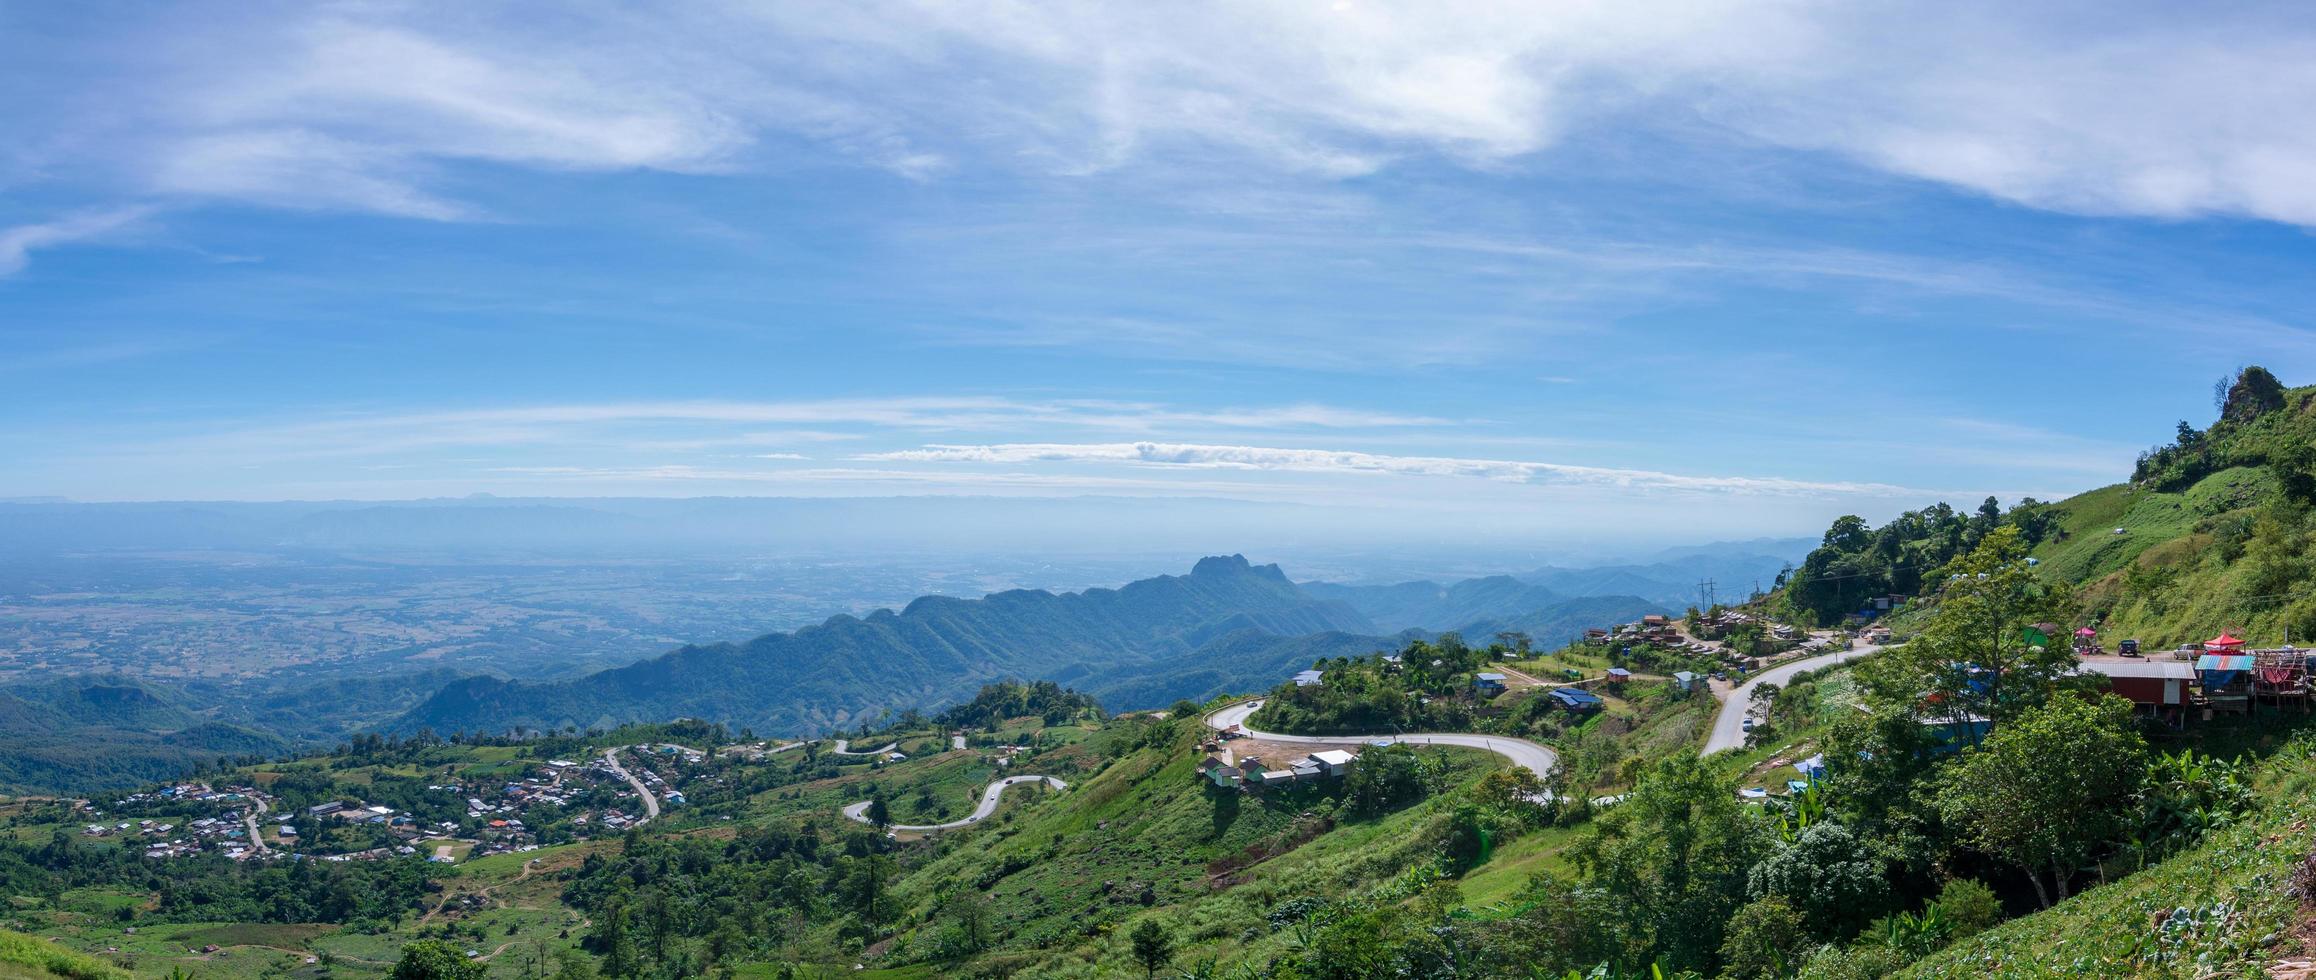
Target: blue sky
<point>1710,269</point>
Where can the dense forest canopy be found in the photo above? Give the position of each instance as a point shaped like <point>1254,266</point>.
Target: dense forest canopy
<point>1858,562</point>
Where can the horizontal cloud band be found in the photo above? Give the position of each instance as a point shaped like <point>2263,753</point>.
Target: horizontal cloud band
<point>1339,461</point>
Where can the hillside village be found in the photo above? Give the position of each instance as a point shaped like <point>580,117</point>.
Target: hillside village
<point>552,802</point>
<point>1871,771</point>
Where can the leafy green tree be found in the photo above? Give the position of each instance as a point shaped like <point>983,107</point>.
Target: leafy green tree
<point>1828,875</point>
<point>2049,789</point>
<point>1968,907</point>
<point>1672,862</point>
<point>1385,778</point>
<point>1766,939</point>
<point>1153,946</point>
<point>864,887</point>
<point>1974,657</point>
<point>433,959</point>
<point>615,942</point>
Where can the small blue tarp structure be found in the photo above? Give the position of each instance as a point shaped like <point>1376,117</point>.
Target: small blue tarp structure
<point>2218,670</point>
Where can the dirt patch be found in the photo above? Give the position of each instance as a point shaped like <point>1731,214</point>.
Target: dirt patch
<point>1224,872</point>
<point>2301,939</point>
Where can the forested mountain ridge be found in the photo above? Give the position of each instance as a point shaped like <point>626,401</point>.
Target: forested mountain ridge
<point>935,650</point>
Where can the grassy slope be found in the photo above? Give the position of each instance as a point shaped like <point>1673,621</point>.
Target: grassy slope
<point>23,957</point>
<point>2223,906</point>
<point>2168,540</point>
<point>1068,875</point>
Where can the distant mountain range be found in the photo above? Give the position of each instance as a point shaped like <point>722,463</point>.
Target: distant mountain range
<point>101,731</point>
<point>1432,606</point>
<point>1228,625</point>
<point>1674,577</point>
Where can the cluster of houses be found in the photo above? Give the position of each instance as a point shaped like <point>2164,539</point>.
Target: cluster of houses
<point>165,840</point>
<point>1651,629</point>
<point>1258,771</point>
<point>649,773</point>
<point>494,825</point>
<point>224,831</point>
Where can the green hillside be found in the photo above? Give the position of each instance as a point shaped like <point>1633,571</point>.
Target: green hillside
<point>2214,532</point>
<point>24,957</point>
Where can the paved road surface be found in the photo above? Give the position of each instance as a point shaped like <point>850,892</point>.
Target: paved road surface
<point>989,795</point>
<point>650,802</point>
<point>1729,725</point>
<point>1526,754</point>
<point>249,819</point>
<point>845,748</point>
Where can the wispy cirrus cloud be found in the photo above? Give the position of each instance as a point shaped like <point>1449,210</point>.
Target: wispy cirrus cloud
<point>2116,109</point>
<point>18,243</point>
<point>1161,454</point>
<point>699,426</point>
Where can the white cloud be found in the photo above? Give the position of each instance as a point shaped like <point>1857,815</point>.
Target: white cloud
<point>2097,109</point>
<point>698,426</point>
<point>18,243</point>
<point>1345,462</point>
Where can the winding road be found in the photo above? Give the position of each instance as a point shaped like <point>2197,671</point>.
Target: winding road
<point>845,748</point>
<point>249,819</point>
<point>650,802</point>
<point>989,796</point>
<point>1526,754</point>
<point>1728,733</point>
<point>1729,725</point>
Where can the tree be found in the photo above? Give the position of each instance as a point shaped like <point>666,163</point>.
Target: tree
<point>1153,946</point>
<point>1968,907</point>
<point>1974,657</point>
<point>1671,861</point>
<point>879,815</point>
<point>2050,789</point>
<point>1828,876</point>
<point>615,942</point>
<point>433,959</point>
<point>1385,778</point>
<point>1766,939</point>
